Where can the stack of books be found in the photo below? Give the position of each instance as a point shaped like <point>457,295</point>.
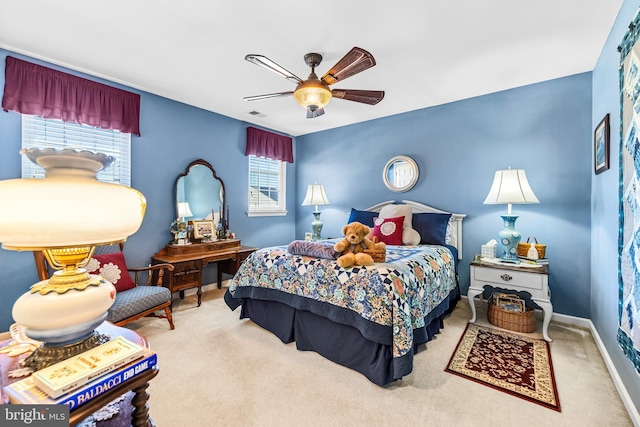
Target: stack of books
<point>539,261</point>
<point>81,378</point>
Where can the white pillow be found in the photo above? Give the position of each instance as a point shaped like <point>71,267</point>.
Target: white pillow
<point>393,211</point>
<point>450,236</point>
<point>410,237</point>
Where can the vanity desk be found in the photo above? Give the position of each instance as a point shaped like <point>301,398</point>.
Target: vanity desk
<point>200,202</point>
<point>189,260</point>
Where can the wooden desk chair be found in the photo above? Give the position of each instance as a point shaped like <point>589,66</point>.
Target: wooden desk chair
<point>133,300</point>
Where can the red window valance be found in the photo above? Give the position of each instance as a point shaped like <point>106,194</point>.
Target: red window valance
<point>261,143</point>
<point>33,89</point>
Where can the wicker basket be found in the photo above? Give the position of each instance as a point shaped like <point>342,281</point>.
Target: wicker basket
<point>378,255</point>
<point>523,248</point>
<point>524,321</point>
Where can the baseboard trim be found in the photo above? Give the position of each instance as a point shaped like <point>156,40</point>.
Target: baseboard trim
<point>581,322</point>
<point>622,390</point>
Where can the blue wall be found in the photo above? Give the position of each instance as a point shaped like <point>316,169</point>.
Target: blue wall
<point>543,128</point>
<point>604,205</point>
<point>173,135</point>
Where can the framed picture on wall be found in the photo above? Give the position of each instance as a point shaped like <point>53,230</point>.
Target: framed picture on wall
<point>601,146</point>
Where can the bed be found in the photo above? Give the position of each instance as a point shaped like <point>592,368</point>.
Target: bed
<point>371,319</point>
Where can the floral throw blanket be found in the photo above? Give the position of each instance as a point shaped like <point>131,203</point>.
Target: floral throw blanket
<point>385,301</point>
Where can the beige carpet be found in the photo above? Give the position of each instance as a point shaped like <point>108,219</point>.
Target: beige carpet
<point>217,370</point>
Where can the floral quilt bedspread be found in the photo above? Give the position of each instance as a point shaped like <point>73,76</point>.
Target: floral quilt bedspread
<point>398,293</point>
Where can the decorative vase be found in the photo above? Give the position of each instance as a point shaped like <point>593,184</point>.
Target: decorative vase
<point>509,238</point>
<point>316,226</point>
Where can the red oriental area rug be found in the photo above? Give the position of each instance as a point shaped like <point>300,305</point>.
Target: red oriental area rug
<point>508,362</point>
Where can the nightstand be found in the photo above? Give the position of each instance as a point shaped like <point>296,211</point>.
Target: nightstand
<point>534,280</point>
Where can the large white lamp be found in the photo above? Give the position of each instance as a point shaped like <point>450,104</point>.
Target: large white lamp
<point>66,215</point>
<point>509,187</point>
<point>316,196</point>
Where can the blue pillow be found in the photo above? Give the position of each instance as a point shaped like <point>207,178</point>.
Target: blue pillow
<point>363,217</point>
<point>432,227</point>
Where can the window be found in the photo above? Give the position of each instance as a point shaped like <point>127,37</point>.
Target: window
<point>267,187</point>
<point>50,133</point>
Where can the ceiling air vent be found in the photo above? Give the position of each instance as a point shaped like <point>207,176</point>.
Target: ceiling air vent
<point>257,113</point>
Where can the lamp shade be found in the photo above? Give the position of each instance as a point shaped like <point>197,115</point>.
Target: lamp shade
<point>184,210</point>
<point>315,196</point>
<point>510,186</point>
<point>69,207</point>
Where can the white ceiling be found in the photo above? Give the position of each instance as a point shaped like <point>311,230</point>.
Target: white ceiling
<point>427,52</point>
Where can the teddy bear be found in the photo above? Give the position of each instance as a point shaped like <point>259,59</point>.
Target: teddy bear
<point>353,245</point>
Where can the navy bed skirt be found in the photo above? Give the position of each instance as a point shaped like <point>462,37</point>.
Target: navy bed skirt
<point>342,344</point>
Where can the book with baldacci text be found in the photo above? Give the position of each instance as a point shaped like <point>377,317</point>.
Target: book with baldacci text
<point>26,391</point>
<point>76,371</point>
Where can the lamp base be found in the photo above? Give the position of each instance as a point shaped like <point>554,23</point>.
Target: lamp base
<point>64,322</point>
<point>47,355</point>
<point>509,239</point>
<point>316,226</point>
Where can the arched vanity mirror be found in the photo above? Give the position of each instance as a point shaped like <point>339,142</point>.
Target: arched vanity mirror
<point>400,174</point>
<point>202,191</point>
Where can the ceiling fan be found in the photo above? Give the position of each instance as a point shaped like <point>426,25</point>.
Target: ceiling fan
<point>313,93</point>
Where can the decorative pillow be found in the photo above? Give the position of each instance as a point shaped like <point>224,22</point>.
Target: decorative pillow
<point>432,227</point>
<point>388,230</point>
<point>113,268</point>
<point>410,237</point>
<point>363,217</point>
<point>314,249</point>
<point>393,211</point>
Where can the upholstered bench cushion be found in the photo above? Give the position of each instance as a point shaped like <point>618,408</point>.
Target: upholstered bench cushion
<point>133,301</point>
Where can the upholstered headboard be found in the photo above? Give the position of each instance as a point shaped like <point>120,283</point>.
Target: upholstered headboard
<point>417,207</point>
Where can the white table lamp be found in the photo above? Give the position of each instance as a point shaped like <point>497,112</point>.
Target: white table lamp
<point>316,197</point>
<point>509,187</point>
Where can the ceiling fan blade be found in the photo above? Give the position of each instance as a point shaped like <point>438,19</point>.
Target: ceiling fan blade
<point>354,62</point>
<point>268,95</point>
<point>314,112</point>
<point>268,64</point>
<point>371,97</point>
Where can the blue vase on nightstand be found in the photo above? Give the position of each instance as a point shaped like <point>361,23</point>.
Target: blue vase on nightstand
<point>316,226</point>
<point>509,238</point>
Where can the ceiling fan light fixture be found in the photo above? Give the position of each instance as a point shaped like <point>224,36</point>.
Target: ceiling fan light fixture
<point>312,93</point>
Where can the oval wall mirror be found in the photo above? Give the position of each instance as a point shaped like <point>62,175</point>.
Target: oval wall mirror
<point>200,193</point>
<point>400,174</point>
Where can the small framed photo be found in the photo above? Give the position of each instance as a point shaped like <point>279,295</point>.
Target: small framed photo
<point>601,146</point>
<point>202,229</point>
<point>308,236</point>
